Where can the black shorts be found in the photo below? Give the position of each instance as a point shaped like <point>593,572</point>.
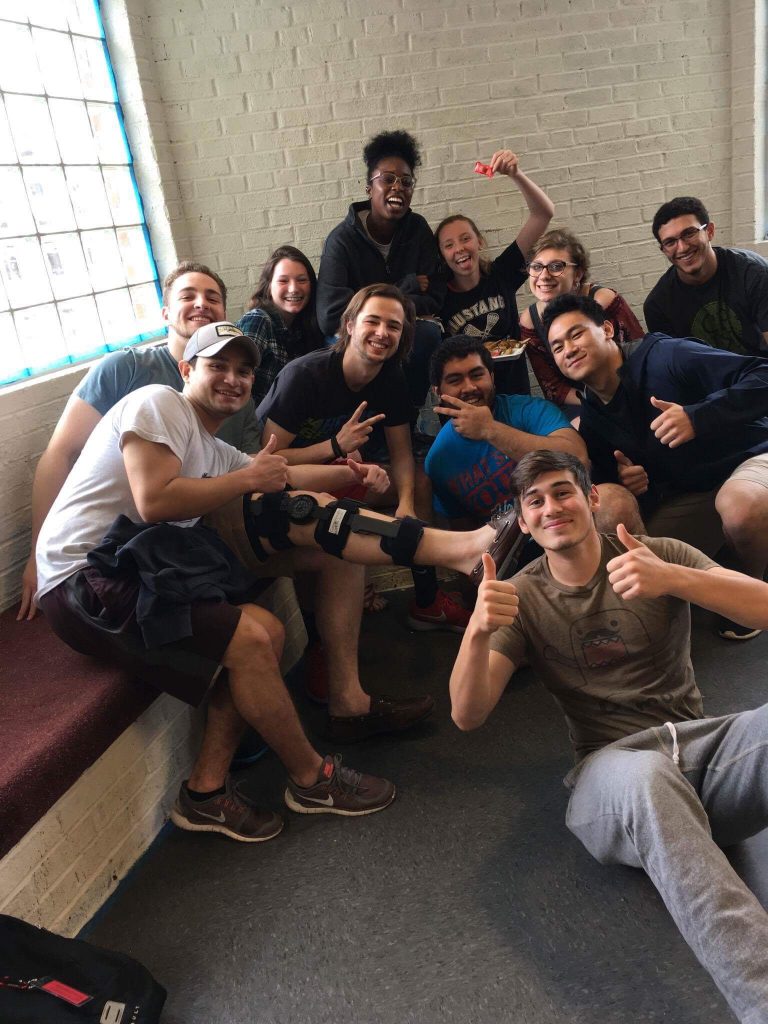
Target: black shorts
<point>96,615</point>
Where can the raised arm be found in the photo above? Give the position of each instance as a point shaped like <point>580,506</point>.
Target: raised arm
<point>479,674</point>
<point>67,441</point>
<point>640,572</point>
<point>162,495</point>
<point>540,207</point>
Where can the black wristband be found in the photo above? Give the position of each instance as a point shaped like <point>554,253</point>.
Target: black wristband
<point>336,448</point>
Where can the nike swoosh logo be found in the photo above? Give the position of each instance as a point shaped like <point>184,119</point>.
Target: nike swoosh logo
<point>327,801</point>
<point>214,817</point>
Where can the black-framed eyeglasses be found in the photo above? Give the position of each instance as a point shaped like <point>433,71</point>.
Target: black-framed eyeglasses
<point>388,179</point>
<point>555,268</point>
<point>685,236</point>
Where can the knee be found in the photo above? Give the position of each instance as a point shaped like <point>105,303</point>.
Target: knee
<point>259,635</point>
<point>742,515</point>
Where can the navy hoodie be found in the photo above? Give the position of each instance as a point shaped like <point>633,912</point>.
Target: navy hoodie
<point>350,261</point>
<point>724,394</point>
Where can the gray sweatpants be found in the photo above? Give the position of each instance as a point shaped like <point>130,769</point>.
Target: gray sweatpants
<point>631,804</point>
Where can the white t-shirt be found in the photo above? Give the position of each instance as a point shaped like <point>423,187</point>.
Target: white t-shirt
<point>97,491</point>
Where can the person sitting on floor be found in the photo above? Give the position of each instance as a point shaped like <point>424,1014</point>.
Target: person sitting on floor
<point>282,319</point>
<point>682,426</point>
<point>166,598</point>
<point>716,294</point>
<point>559,265</point>
<point>605,623</point>
<point>351,401</point>
<point>382,240</point>
<point>480,300</point>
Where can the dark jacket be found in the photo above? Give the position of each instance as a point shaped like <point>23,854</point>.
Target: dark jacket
<point>175,566</point>
<point>725,395</point>
<point>350,261</point>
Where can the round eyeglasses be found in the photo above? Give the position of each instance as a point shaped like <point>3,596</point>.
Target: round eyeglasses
<point>554,268</point>
<point>388,179</point>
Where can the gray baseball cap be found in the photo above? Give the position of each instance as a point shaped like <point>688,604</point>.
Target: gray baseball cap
<point>212,338</point>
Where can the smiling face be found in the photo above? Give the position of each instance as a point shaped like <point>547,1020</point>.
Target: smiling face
<point>556,512</point>
<point>374,334</point>
<point>547,285</point>
<point>693,258</point>
<point>219,386</point>
<point>581,349</point>
<point>468,379</point>
<point>390,202</point>
<point>194,300</point>
<point>290,289</point>
<point>460,247</point>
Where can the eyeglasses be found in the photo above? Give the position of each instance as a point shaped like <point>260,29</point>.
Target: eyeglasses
<point>668,244</point>
<point>554,268</point>
<point>388,179</point>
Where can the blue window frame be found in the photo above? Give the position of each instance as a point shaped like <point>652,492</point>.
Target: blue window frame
<point>77,273</point>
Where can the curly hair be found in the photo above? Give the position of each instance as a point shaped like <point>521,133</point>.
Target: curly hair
<point>681,206</point>
<point>398,143</point>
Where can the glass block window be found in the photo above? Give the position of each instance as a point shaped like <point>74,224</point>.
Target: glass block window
<point>77,274</point>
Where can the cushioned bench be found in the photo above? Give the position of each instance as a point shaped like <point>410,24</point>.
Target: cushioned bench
<point>60,712</point>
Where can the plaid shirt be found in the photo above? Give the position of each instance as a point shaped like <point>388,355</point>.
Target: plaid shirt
<point>277,343</point>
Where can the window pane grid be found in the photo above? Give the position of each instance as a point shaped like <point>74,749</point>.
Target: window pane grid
<point>77,273</point>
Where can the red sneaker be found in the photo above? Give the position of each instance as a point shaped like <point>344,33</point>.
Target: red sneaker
<point>445,613</point>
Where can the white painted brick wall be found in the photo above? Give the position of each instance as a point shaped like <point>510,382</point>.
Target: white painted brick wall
<point>62,871</point>
<point>248,119</point>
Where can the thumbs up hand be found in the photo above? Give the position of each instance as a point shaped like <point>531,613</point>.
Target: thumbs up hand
<point>497,600</point>
<point>633,477</point>
<point>638,572</point>
<point>673,427</point>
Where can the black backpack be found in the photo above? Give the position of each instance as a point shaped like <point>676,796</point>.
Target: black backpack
<point>46,979</point>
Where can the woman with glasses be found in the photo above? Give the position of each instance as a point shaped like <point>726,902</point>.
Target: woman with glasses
<point>558,264</point>
<point>281,317</point>
<point>480,300</point>
<point>381,240</point>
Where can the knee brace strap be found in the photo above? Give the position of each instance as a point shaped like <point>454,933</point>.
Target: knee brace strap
<point>401,547</point>
<point>399,537</point>
<point>266,517</point>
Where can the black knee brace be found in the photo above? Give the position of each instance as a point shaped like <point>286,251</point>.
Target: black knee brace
<point>270,516</point>
<point>266,518</point>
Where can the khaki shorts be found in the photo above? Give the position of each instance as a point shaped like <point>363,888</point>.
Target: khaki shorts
<point>693,517</point>
<point>280,598</point>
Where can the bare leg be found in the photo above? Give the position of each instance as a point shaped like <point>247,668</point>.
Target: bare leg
<point>338,611</point>
<point>257,695</point>
<point>453,550</point>
<point>743,509</point>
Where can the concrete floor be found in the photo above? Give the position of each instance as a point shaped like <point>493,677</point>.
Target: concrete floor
<point>467,901</point>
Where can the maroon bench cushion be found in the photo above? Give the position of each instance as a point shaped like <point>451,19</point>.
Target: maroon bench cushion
<point>59,711</point>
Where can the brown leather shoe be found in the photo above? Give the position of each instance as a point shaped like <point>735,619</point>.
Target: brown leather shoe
<point>504,550</point>
<point>387,714</point>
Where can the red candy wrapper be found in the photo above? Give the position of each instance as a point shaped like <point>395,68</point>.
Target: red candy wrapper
<point>483,169</point>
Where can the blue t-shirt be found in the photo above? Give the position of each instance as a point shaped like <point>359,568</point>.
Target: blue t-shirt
<point>472,478</point>
<point>120,373</point>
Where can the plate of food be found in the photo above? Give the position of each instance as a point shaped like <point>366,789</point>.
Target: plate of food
<point>504,349</point>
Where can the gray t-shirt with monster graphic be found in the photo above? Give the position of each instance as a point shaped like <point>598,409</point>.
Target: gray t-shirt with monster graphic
<point>615,667</point>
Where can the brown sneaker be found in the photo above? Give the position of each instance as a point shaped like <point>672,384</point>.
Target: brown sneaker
<point>230,813</point>
<point>340,790</point>
<point>387,714</point>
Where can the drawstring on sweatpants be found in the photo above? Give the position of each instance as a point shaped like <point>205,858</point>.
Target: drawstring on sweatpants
<point>675,747</point>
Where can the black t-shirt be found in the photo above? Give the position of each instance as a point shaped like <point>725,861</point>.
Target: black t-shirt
<point>730,311</point>
<point>489,311</point>
<point>310,398</point>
